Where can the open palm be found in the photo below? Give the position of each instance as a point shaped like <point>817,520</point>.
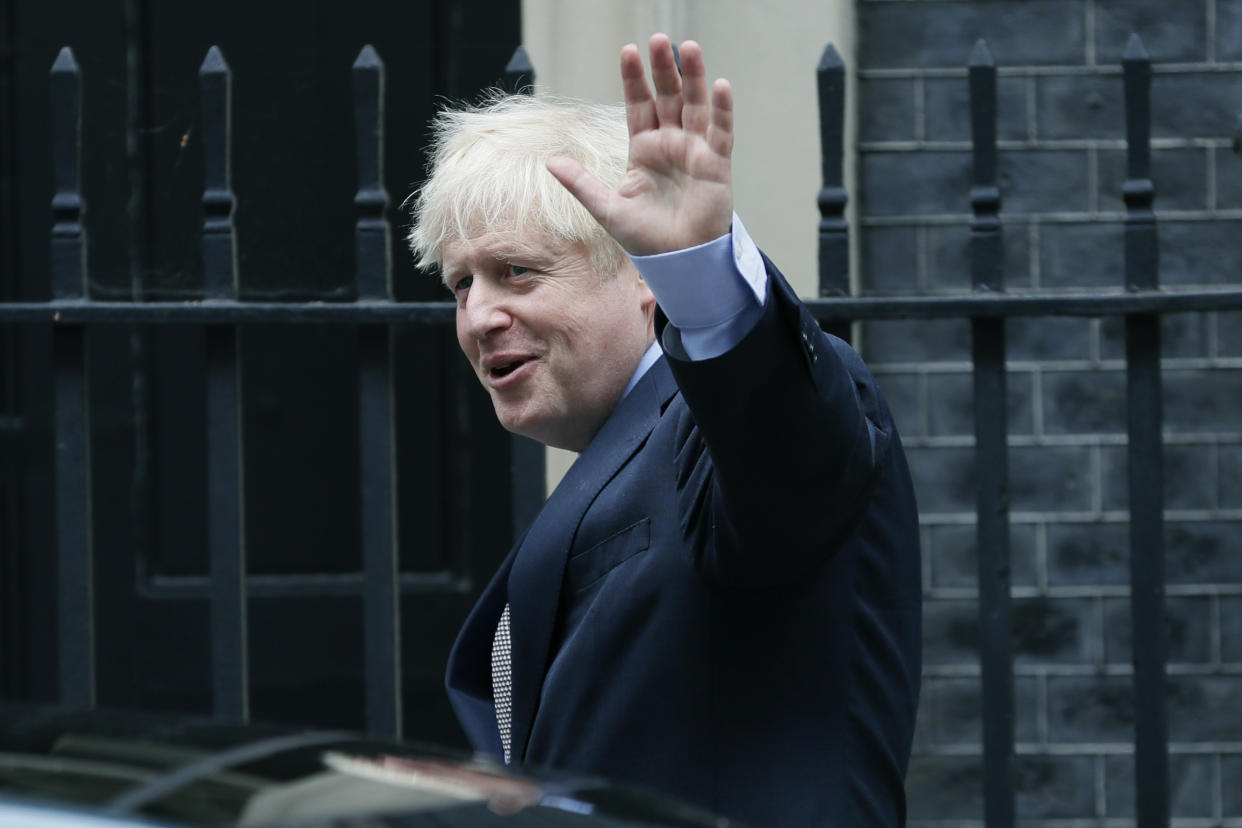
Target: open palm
<point>677,190</point>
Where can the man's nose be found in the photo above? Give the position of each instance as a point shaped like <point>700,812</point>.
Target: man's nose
<point>487,309</point>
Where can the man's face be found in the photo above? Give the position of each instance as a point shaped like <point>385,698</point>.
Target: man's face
<point>552,341</point>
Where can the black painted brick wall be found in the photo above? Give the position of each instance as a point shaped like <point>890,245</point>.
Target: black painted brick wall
<point>1062,166</point>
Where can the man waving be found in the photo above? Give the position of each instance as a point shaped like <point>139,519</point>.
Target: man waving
<point>721,599</point>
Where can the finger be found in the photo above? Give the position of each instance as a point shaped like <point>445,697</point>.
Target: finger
<point>640,110</point>
<point>582,185</point>
<point>720,132</point>
<point>666,79</point>
<point>695,110</point>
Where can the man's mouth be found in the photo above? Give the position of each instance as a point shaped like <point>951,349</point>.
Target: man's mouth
<point>504,368</point>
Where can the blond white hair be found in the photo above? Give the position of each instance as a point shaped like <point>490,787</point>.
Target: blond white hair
<point>486,171</point>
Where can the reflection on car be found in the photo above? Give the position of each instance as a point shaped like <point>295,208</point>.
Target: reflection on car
<point>102,769</point>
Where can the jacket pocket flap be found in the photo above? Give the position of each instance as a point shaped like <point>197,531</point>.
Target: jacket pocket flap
<point>589,565</point>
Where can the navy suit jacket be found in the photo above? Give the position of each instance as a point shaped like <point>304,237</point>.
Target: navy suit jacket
<point>721,600</point>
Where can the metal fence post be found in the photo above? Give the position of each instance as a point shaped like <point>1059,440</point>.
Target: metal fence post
<point>225,477</point>
<point>75,564</point>
<point>381,595</point>
<point>1145,452</point>
<point>991,453</point>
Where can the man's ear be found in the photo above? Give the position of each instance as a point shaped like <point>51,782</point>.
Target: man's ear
<point>648,298</point>
<point>645,297</point>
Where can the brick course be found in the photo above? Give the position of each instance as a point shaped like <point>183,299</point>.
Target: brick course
<point>1062,166</point>
<point>1183,42</point>
<point>928,33</point>
<point>948,258</point>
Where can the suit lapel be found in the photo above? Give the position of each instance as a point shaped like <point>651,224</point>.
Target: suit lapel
<point>476,634</point>
<point>537,570</point>
<point>468,676</point>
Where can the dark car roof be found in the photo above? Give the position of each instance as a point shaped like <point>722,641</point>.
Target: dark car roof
<point>178,770</point>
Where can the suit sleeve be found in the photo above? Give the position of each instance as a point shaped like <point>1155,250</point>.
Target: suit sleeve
<point>780,449</point>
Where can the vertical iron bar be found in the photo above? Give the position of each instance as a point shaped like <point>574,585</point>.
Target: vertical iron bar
<point>1145,451</point>
<point>991,453</point>
<point>225,528</point>
<point>75,565</point>
<point>225,492</point>
<point>834,239</point>
<point>528,459</point>
<point>75,574</point>
<point>136,81</point>
<point>377,441</point>
<point>14,664</point>
<point>138,207</point>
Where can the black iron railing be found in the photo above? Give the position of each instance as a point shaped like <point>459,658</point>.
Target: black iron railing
<point>992,509</point>
<point>224,317</point>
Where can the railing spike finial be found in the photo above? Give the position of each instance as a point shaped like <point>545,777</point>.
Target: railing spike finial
<point>519,61</point>
<point>834,261</point>
<point>830,59</point>
<point>368,58</point>
<point>372,259</point>
<point>215,101</point>
<point>985,195</point>
<point>519,77</point>
<point>1135,50</point>
<point>981,55</point>
<point>1139,191</point>
<point>65,61</point>
<point>68,243</point>
<point>214,63</point>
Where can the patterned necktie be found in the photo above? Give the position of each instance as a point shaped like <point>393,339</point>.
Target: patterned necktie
<point>502,686</point>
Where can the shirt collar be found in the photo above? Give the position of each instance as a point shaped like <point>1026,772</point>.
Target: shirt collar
<point>649,358</point>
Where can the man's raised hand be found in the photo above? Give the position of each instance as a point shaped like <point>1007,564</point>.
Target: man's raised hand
<point>677,191</point>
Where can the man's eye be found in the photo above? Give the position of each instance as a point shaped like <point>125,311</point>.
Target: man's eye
<point>516,270</point>
<point>462,285</point>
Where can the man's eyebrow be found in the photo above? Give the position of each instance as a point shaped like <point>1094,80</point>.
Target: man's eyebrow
<point>519,250</point>
<point>506,251</point>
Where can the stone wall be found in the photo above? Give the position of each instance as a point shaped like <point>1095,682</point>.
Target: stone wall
<point>1062,165</point>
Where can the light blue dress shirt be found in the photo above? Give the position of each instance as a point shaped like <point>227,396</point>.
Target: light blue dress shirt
<point>712,294</point>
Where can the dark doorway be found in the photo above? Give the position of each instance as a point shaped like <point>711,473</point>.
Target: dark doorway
<point>293,156</point>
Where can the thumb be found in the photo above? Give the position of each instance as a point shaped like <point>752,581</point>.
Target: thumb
<point>582,185</point>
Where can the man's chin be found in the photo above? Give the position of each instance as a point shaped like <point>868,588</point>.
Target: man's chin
<point>542,430</point>
<point>523,424</point>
